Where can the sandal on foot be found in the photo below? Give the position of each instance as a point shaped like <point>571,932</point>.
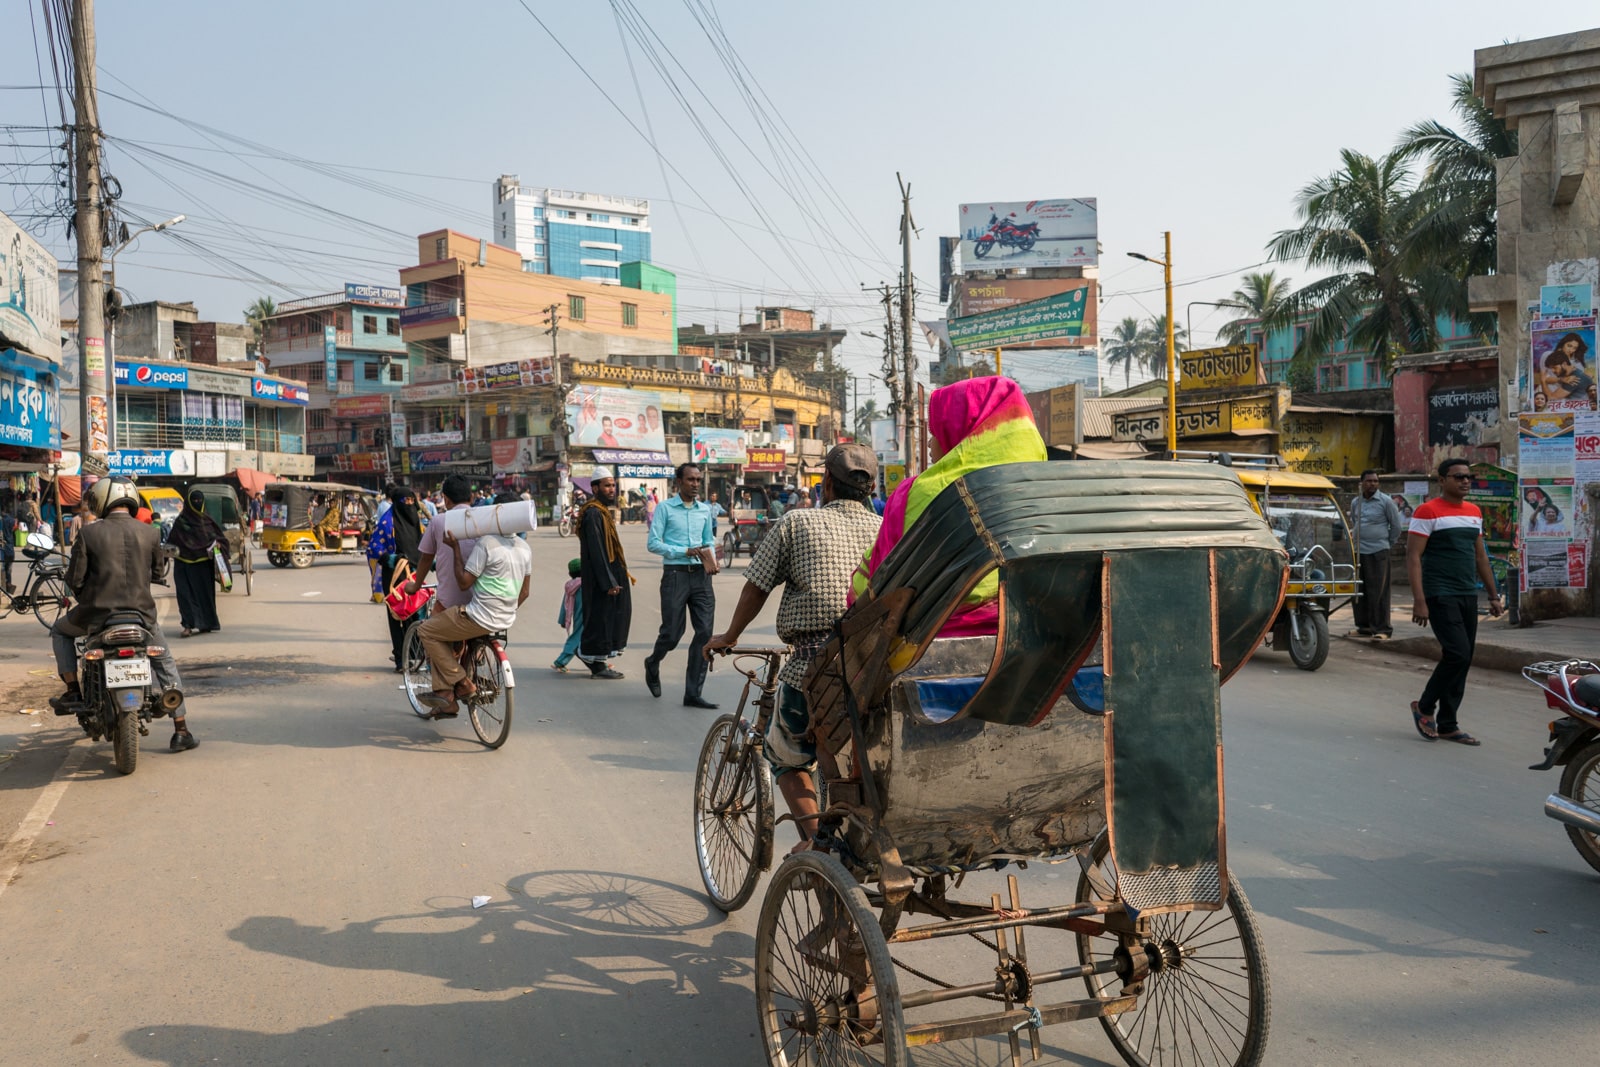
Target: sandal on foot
<point>1424,723</point>
<point>607,673</point>
<point>186,632</point>
<point>558,667</point>
<point>1460,737</point>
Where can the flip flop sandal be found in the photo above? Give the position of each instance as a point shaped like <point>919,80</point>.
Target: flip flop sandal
<point>1461,737</point>
<point>558,667</point>
<point>1424,723</point>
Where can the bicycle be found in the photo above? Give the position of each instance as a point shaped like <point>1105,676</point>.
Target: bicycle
<point>44,590</point>
<point>485,661</point>
<point>733,810</point>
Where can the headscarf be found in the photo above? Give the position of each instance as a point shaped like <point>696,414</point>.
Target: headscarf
<point>608,530</point>
<point>980,422</point>
<point>407,523</point>
<point>193,531</point>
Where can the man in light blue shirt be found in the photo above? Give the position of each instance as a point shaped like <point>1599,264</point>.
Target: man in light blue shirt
<point>682,533</point>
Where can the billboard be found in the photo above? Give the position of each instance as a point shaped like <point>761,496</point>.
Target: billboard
<point>30,410</point>
<point>1218,368</point>
<point>616,418</point>
<point>1058,413</point>
<point>538,371</point>
<point>977,295</point>
<point>30,294</point>
<point>1059,316</point>
<point>715,445</point>
<point>1029,233</point>
<point>381,295</point>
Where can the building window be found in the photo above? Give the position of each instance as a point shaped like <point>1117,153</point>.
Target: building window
<point>538,233</point>
<point>630,314</point>
<point>441,247</point>
<point>315,372</point>
<point>538,212</point>
<point>397,372</point>
<point>599,218</point>
<point>561,213</point>
<point>340,322</point>
<point>575,308</point>
<point>626,221</point>
<point>1331,376</point>
<point>347,372</point>
<point>538,251</point>
<point>369,372</point>
<point>369,324</point>
<point>1299,337</point>
<point>317,419</point>
<point>391,326</point>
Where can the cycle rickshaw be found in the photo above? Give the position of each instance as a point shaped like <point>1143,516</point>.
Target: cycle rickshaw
<point>944,759</point>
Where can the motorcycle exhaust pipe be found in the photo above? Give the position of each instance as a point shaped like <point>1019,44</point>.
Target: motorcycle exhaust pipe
<point>1566,811</point>
<point>171,700</point>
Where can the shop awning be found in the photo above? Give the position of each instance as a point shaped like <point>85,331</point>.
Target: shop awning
<point>253,481</point>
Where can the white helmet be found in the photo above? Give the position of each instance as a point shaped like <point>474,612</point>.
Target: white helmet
<point>109,493</point>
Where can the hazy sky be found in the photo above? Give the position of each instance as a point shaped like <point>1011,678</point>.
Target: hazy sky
<point>1200,118</point>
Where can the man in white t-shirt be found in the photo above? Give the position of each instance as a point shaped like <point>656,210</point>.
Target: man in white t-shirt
<point>496,573</point>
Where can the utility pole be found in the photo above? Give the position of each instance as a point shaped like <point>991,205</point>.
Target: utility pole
<point>94,409</point>
<point>558,422</point>
<point>907,310</point>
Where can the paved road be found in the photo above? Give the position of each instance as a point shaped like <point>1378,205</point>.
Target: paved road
<point>298,889</point>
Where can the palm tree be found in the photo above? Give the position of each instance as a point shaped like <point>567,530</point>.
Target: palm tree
<point>1124,346</point>
<point>1153,345</point>
<point>866,414</point>
<point>1457,225</point>
<point>1260,293</point>
<point>257,315</point>
<point>1381,295</point>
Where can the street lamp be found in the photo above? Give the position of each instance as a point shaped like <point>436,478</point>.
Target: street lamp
<point>111,418</point>
<point>1172,343</point>
<point>1188,315</point>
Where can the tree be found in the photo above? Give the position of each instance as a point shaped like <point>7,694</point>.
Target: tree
<point>1124,347</point>
<point>256,315</point>
<point>1381,294</point>
<point>1456,225</point>
<point>1153,345</point>
<point>866,414</point>
<point>1261,294</point>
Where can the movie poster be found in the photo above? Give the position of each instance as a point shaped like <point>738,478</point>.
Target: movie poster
<point>1561,370</point>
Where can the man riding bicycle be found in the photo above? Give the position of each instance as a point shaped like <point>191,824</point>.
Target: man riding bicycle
<point>496,573</point>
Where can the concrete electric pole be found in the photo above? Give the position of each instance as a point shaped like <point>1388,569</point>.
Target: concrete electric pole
<point>907,310</point>
<point>558,421</point>
<point>94,410</point>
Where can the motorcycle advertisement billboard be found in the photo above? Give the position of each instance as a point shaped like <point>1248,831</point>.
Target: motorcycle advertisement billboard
<point>616,418</point>
<point>1029,233</point>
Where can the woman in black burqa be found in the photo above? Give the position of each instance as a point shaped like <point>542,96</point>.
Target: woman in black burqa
<point>194,572</point>
<point>397,536</point>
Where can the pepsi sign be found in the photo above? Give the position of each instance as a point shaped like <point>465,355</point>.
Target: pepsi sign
<point>153,375</point>
<point>285,392</point>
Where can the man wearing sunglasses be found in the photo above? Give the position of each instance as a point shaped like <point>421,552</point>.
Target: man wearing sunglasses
<point>1445,560</point>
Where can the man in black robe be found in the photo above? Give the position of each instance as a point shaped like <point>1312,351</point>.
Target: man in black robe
<point>607,593</point>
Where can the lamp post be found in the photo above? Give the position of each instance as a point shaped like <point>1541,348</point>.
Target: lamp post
<point>1188,314</point>
<point>111,263</point>
<point>1172,345</point>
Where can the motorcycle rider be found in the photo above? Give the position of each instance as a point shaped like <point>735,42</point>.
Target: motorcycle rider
<point>114,562</point>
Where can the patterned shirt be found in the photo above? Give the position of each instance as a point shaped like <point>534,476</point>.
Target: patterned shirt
<point>1450,558</point>
<point>812,552</point>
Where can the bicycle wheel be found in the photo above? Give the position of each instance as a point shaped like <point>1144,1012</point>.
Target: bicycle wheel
<point>733,816</point>
<point>416,678</point>
<point>490,707</point>
<point>1208,1002</point>
<point>51,600</point>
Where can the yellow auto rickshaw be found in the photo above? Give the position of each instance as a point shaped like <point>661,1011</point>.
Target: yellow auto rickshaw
<point>1308,521</point>
<point>304,520</point>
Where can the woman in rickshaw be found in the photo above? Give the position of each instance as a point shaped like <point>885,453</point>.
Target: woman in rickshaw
<point>975,423</point>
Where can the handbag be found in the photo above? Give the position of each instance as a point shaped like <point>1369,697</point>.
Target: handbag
<point>403,605</point>
<point>219,559</point>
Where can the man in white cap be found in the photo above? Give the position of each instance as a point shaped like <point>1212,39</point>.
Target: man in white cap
<point>607,592</point>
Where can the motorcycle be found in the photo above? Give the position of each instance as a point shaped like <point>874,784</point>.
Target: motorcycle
<point>1005,233</point>
<point>120,697</point>
<point>568,521</point>
<point>1573,687</point>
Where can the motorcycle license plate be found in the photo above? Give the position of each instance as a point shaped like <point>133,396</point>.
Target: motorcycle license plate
<point>127,673</point>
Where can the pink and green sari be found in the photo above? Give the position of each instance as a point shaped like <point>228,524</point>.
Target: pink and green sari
<point>980,422</point>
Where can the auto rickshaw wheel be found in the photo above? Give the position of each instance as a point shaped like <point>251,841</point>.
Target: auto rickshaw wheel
<point>1310,650</point>
<point>301,557</point>
<point>277,559</point>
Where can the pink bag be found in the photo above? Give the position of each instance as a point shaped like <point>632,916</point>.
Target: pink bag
<point>403,605</point>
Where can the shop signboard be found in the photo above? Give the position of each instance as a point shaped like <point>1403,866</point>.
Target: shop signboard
<point>30,295</point>
<point>210,463</point>
<point>151,462</point>
<point>1464,415</point>
<point>1059,316</point>
<point>291,464</point>
<point>210,381</point>
<point>430,460</point>
<point>602,417</point>
<point>717,445</point>
<point>612,455</point>
<point>242,457</point>
<point>514,455</point>
<point>1131,426</point>
<point>428,314</point>
<point>644,470</point>
<point>381,295</point>
<point>1218,368</point>
<point>330,354</point>
<point>507,375</point>
<point>152,375</point>
<point>1005,235</point>
<point>360,407</point>
<point>765,459</point>
<point>1058,415</point>
<point>364,462</point>
<point>436,438</point>
<point>284,392</point>
<point>420,391</point>
<point>30,408</point>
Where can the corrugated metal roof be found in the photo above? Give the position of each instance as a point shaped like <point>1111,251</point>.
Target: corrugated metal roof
<point>1097,412</point>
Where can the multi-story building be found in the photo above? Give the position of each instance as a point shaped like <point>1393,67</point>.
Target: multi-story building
<point>586,236</point>
<point>1343,369</point>
<point>347,349</point>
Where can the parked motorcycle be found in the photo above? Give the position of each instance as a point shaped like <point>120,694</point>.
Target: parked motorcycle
<point>1006,233</point>
<point>1573,687</point>
<point>120,695</point>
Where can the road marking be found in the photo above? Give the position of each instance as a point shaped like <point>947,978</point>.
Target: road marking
<point>16,850</point>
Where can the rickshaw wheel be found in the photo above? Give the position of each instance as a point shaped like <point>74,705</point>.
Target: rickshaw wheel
<point>1206,997</point>
<point>825,986</point>
<point>1311,651</point>
<point>733,815</point>
<point>277,559</point>
<point>248,565</point>
<point>301,557</point>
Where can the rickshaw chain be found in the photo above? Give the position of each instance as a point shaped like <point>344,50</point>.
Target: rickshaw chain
<point>934,981</point>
